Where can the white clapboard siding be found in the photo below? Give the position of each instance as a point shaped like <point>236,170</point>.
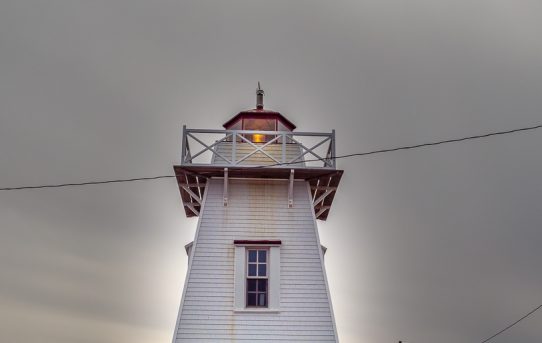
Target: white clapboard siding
<point>292,152</point>
<point>257,209</point>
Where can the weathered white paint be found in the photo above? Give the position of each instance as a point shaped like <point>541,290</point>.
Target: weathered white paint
<point>274,277</point>
<point>239,278</point>
<point>242,149</point>
<point>256,210</point>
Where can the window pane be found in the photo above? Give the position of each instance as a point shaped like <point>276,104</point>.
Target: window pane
<point>262,299</point>
<point>262,270</point>
<point>262,256</point>
<point>259,124</point>
<point>262,285</point>
<point>282,127</point>
<point>252,255</point>
<point>251,299</point>
<point>252,270</point>
<point>238,125</point>
<point>251,285</point>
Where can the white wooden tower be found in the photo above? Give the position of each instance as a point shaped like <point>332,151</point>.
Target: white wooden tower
<point>256,267</point>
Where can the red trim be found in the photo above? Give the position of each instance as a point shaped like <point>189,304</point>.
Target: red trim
<point>262,242</point>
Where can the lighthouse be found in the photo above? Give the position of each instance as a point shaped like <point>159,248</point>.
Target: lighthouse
<point>256,266</point>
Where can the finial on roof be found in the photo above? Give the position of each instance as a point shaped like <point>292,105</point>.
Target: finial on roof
<point>259,97</point>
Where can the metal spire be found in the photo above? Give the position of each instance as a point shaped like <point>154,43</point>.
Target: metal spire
<point>259,97</point>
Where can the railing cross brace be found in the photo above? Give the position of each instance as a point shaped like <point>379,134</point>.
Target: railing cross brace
<point>258,149</point>
<point>311,151</point>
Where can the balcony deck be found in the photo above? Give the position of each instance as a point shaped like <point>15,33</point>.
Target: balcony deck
<point>230,154</point>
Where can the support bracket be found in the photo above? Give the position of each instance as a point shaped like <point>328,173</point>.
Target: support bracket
<point>291,189</point>
<point>192,208</point>
<point>323,196</point>
<point>321,210</point>
<point>192,194</point>
<point>226,181</point>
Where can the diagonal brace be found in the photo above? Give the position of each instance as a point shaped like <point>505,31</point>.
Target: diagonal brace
<point>323,196</point>
<point>192,194</point>
<point>307,150</point>
<point>192,208</point>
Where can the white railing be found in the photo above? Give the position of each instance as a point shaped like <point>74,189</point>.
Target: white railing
<point>281,149</point>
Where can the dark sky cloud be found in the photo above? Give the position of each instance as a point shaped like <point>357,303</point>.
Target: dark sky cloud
<point>439,244</point>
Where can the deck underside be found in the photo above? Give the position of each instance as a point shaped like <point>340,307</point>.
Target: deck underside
<point>193,179</point>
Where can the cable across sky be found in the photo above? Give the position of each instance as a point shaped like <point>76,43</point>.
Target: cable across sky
<point>360,154</point>
<point>514,323</point>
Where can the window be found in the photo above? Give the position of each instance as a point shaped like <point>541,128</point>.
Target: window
<point>257,279</point>
<point>257,275</point>
<point>259,124</point>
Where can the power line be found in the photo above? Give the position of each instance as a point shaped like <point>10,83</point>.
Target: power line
<point>514,323</point>
<point>88,183</point>
<point>408,147</point>
<point>374,152</point>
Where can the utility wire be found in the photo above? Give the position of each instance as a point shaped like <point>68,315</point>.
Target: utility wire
<point>514,323</point>
<point>409,147</point>
<point>88,183</point>
<point>374,152</point>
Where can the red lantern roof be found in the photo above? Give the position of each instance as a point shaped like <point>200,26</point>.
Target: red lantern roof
<point>259,113</point>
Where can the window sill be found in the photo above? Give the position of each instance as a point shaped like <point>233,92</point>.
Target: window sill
<point>256,310</point>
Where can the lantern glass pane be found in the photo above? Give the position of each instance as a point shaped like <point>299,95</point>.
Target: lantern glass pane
<point>259,124</point>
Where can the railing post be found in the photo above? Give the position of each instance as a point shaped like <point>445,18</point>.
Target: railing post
<point>234,148</point>
<point>283,148</point>
<point>183,146</point>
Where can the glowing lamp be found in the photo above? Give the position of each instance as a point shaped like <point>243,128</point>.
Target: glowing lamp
<point>258,138</point>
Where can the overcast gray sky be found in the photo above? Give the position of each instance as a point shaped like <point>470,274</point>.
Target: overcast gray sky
<point>439,244</point>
